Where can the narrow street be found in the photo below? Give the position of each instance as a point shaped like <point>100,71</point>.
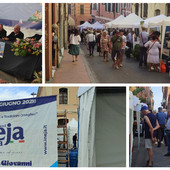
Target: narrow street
<point>102,72</point>
<point>140,156</point>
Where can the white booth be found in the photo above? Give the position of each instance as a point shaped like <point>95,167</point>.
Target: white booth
<point>102,127</point>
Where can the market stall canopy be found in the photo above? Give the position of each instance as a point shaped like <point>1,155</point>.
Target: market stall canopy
<point>71,21</point>
<point>148,20</point>
<point>72,123</point>
<point>157,22</point>
<point>115,21</point>
<point>72,128</point>
<point>166,21</point>
<point>86,25</point>
<point>128,21</point>
<point>97,25</point>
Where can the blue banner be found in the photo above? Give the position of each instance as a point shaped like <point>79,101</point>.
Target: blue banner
<point>25,103</point>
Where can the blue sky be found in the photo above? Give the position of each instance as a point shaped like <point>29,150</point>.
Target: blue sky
<point>10,93</point>
<point>158,95</point>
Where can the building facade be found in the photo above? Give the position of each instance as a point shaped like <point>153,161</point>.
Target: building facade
<point>147,10</point>
<point>144,94</point>
<point>166,97</point>
<point>80,12</point>
<point>67,101</point>
<point>105,12</point>
<point>55,14</point>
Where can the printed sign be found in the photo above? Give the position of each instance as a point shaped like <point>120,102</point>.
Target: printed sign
<point>28,132</point>
<point>2,48</point>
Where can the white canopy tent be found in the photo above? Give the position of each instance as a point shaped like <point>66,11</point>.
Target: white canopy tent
<point>97,25</point>
<point>111,23</point>
<point>164,22</point>
<point>102,127</point>
<point>85,25</point>
<point>128,21</point>
<point>72,128</point>
<point>148,20</point>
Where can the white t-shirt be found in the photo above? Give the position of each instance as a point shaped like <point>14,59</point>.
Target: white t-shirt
<point>91,38</point>
<point>75,39</point>
<point>124,41</point>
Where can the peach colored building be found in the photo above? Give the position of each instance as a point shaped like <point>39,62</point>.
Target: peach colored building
<point>80,12</point>
<point>67,100</point>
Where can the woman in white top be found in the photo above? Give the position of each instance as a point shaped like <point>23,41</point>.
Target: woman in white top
<point>153,52</point>
<point>74,48</point>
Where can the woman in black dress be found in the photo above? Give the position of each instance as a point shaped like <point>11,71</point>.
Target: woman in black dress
<point>98,37</point>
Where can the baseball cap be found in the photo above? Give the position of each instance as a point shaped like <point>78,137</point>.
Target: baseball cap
<point>144,108</point>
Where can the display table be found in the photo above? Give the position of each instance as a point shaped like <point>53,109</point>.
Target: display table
<point>20,67</point>
<point>165,52</point>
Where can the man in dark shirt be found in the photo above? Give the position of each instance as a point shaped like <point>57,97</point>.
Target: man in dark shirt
<point>75,140</point>
<point>161,117</point>
<point>151,124</point>
<point>2,32</point>
<point>117,44</point>
<point>15,34</point>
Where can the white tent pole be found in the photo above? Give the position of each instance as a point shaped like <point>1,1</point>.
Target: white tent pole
<point>131,134</point>
<point>162,41</point>
<point>138,128</point>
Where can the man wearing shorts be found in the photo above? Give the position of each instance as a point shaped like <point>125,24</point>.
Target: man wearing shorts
<point>122,53</point>
<point>117,44</point>
<point>151,124</point>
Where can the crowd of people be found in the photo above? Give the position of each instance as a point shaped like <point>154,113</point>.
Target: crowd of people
<point>115,42</point>
<point>157,130</point>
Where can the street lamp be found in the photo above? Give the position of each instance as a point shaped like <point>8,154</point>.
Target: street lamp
<point>33,94</point>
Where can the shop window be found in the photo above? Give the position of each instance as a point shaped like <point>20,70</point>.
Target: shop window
<point>63,96</point>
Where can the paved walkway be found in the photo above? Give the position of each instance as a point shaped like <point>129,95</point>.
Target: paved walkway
<point>140,156</point>
<point>129,73</point>
<point>71,72</point>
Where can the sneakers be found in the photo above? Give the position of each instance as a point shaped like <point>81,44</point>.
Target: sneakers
<point>147,164</point>
<point>121,65</point>
<point>116,67</point>
<point>167,154</point>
